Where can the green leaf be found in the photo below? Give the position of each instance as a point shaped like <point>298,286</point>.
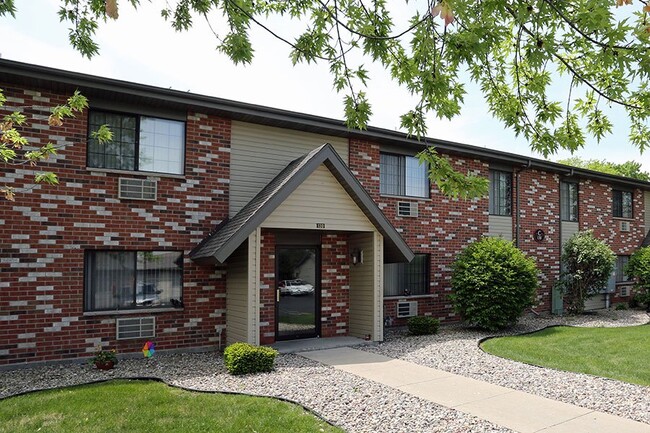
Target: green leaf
<point>47,177</point>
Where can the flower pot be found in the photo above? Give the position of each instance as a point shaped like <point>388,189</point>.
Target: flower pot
<point>107,365</point>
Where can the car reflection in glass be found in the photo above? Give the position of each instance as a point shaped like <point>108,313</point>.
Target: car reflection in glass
<point>295,287</point>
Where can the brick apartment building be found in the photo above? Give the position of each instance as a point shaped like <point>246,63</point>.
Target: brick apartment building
<point>207,221</point>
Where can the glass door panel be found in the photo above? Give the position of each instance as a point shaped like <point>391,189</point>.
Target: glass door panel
<point>297,292</point>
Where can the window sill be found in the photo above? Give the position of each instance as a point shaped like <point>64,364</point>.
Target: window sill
<point>396,298</point>
<point>623,218</point>
<point>136,173</point>
<point>406,197</point>
<point>128,312</point>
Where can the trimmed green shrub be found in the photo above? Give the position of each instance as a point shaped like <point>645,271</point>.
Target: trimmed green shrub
<point>423,325</point>
<point>244,358</point>
<point>639,268</point>
<point>622,306</point>
<point>587,263</point>
<point>493,283</point>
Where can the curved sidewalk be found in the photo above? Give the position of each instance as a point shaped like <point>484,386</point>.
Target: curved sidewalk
<point>517,410</point>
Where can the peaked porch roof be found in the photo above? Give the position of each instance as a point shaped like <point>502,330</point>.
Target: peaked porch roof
<point>224,239</point>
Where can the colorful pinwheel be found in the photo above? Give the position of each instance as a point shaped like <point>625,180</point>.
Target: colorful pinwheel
<point>148,349</point>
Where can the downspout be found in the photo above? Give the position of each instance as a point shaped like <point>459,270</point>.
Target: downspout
<point>518,202</point>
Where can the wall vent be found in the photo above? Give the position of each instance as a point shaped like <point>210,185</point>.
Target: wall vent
<point>407,209</point>
<point>625,226</point>
<point>137,189</point>
<point>136,327</point>
<point>407,309</point>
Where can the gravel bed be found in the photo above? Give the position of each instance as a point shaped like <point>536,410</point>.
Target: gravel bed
<point>359,405</point>
<point>353,403</point>
<point>455,349</point>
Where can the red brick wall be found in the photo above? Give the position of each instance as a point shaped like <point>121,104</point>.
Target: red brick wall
<point>267,288</point>
<point>44,233</point>
<point>335,285</point>
<point>596,213</point>
<point>539,208</point>
<point>444,226</point>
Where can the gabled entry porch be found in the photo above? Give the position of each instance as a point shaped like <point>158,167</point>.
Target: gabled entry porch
<point>305,256</point>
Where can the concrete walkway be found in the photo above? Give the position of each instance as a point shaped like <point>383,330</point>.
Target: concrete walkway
<point>517,410</point>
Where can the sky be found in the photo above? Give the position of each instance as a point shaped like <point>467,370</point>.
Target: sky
<point>141,47</point>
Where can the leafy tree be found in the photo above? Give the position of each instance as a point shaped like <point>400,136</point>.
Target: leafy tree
<point>587,263</point>
<point>517,51</point>
<point>493,282</point>
<point>639,267</point>
<point>15,150</point>
<point>628,169</point>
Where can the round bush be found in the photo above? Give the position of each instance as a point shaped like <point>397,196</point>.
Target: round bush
<point>493,283</point>
<point>244,358</point>
<point>588,263</point>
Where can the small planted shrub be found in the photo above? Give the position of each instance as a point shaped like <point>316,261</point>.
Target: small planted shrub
<point>620,307</point>
<point>244,358</point>
<point>587,265</point>
<point>423,325</point>
<point>493,283</point>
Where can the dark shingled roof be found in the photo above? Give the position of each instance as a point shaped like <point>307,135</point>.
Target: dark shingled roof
<point>223,241</point>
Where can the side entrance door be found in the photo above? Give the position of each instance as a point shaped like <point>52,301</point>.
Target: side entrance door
<point>297,310</point>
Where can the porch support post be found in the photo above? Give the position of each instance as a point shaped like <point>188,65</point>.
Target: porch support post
<point>254,286</point>
<point>378,264</point>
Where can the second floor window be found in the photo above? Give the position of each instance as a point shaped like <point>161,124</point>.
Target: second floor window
<point>403,175</point>
<point>140,143</point>
<point>622,204</point>
<point>569,201</point>
<point>500,193</point>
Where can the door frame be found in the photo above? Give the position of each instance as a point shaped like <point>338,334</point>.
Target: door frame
<point>317,292</point>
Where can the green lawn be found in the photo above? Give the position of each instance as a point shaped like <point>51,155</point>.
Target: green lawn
<point>137,406</point>
<point>617,353</point>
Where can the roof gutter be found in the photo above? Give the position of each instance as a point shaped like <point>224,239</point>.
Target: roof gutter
<point>295,120</point>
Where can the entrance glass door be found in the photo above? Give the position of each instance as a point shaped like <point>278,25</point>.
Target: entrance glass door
<point>297,292</point>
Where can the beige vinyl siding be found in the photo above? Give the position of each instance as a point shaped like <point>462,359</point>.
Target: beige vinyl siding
<point>569,228</point>
<point>319,200</point>
<point>362,286</point>
<point>500,226</point>
<point>237,320</point>
<point>259,153</point>
<point>242,292</point>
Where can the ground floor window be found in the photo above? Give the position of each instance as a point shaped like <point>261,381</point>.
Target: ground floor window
<point>119,280</point>
<point>621,264</point>
<point>404,279</point>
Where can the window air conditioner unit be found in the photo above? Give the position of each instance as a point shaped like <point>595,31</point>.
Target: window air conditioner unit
<point>136,327</point>
<point>407,209</point>
<point>137,189</point>
<point>624,291</point>
<point>625,226</point>
<point>407,309</point>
